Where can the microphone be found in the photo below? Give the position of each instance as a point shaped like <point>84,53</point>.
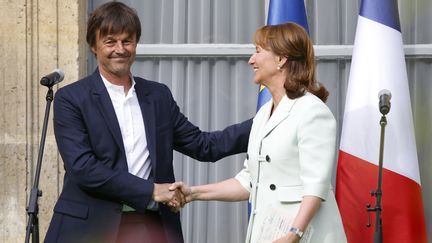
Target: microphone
<point>384,97</point>
<point>54,77</point>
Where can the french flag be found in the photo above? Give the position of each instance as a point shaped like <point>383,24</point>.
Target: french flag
<point>378,63</point>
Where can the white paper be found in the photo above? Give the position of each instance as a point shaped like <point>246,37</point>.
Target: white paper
<point>276,224</point>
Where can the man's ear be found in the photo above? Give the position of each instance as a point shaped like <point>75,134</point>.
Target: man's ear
<point>93,50</point>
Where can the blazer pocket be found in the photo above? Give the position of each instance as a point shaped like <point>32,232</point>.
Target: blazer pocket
<point>290,194</point>
<point>71,208</point>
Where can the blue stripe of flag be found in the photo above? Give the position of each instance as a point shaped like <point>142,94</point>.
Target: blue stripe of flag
<point>382,11</point>
<point>282,11</point>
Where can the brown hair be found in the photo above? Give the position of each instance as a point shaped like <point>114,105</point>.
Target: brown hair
<point>113,18</point>
<point>290,40</point>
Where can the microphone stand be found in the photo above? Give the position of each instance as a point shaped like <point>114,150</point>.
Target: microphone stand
<point>378,238</point>
<point>32,209</point>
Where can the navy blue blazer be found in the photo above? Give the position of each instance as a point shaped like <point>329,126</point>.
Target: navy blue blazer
<point>97,182</point>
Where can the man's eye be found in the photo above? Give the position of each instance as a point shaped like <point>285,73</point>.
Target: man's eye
<point>109,43</point>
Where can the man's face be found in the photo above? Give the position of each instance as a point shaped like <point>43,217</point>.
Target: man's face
<point>115,54</point>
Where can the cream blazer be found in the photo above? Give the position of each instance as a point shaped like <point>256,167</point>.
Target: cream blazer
<point>291,154</point>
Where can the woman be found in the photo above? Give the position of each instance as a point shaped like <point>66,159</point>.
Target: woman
<point>291,151</point>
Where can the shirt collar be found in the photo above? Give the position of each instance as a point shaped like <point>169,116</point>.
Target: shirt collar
<point>117,88</point>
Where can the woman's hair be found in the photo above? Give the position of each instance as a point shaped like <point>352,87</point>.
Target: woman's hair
<point>113,18</point>
<point>290,40</point>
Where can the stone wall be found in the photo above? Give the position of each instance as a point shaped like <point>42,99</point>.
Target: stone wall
<point>37,36</point>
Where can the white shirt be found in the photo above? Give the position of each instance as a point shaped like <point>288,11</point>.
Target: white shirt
<point>130,119</point>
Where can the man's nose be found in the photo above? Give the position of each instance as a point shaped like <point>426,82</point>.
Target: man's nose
<point>119,47</point>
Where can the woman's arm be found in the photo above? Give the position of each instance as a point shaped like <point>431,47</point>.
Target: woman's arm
<point>229,190</point>
<point>308,208</point>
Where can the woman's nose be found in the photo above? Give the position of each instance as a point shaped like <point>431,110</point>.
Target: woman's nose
<point>252,59</point>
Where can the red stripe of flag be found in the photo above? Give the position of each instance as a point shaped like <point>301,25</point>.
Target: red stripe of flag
<point>401,202</point>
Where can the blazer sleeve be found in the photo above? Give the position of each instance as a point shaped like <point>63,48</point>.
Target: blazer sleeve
<point>316,143</point>
<point>244,177</point>
<point>207,146</point>
<point>82,165</point>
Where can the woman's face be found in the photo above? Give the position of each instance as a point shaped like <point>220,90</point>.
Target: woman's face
<point>264,64</point>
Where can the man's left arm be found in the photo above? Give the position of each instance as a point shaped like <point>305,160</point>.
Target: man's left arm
<point>207,146</point>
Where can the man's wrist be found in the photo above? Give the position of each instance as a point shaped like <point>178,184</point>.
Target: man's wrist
<point>153,191</point>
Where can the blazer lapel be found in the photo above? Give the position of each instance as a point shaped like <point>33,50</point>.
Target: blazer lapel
<point>104,104</point>
<point>147,105</point>
<point>280,114</point>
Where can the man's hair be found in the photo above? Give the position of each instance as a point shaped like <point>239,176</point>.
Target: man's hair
<point>112,18</point>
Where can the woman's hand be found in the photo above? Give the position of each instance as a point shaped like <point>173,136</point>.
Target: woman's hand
<point>289,238</point>
<point>184,192</point>
<point>163,194</point>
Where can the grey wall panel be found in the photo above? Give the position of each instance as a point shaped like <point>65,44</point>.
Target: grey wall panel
<point>212,93</point>
<point>420,76</point>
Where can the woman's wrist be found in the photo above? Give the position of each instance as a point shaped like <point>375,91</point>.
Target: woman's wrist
<point>296,231</point>
<point>292,237</point>
<point>193,194</point>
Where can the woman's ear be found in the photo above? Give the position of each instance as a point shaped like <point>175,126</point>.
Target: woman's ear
<point>282,61</point>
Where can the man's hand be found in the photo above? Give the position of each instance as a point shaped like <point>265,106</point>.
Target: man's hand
<point>185,190</point>
<point>162,193</point>
<point>181,195</point>
<point>174,195</point>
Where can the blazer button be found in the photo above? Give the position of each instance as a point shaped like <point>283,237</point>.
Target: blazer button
<point>272,187</point>
<point>247,156</point>
<point>268,158</point>
<point>250,184</point>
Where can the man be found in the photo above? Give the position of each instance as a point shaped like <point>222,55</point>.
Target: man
<point>116,134</point>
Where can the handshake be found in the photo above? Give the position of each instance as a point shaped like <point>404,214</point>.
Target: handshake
<point>174,195</point>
